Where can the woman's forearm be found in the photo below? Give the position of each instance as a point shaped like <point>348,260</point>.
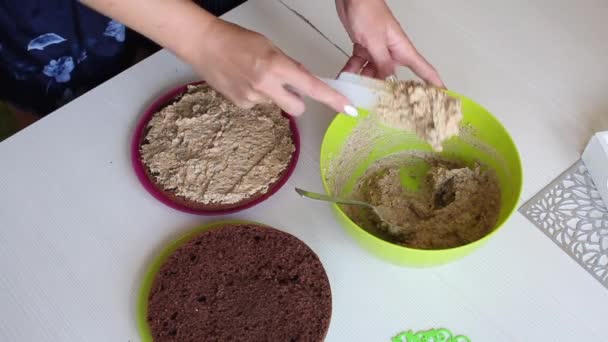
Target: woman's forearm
<point>173,24</point>
<point>241,64</point>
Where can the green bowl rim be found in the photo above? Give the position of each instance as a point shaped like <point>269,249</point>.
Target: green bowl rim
<point>376,239</point>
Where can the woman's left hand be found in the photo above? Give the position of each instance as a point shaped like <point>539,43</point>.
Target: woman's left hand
<point>380,44</point>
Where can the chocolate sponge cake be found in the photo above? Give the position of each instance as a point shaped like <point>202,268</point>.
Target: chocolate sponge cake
<point>242,282</point>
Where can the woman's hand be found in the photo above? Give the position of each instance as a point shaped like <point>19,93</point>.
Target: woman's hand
<point>248,69</point>
<point>379,42</point>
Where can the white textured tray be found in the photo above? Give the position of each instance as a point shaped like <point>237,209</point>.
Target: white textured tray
<point>571,212</point>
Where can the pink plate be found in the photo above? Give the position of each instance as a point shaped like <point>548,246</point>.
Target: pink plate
<point>140,171</point>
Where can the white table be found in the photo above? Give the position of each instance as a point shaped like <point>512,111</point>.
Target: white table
<point>77,229</point>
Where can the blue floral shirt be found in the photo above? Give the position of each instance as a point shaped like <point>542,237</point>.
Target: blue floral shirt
<point>54,50</point>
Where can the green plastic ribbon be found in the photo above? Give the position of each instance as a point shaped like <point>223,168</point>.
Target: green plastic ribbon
<point>432,335</point>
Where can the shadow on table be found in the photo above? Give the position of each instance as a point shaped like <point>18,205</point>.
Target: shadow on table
<point>597,121</point>
<point>577,128</point>
<point>12,120</point>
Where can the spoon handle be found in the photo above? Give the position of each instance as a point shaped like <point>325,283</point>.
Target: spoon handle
<point>321,197</point>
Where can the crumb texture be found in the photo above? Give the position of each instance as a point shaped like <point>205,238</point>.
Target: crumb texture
<point>240,283</point>
<point>427,111</point>
<point>453,205</point>
<point>205,149</point>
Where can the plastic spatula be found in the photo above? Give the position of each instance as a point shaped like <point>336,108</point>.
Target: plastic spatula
<point>362,91</point>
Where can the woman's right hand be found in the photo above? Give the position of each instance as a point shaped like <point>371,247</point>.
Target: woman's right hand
<point>248,69</point>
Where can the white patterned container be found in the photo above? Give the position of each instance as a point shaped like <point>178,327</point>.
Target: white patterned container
<point>595,158</point>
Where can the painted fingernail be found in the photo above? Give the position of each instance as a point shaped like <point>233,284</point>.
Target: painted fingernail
<point>351,111</point>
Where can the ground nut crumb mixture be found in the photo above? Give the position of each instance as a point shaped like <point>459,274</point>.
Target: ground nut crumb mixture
<point>427,111</point>
<point>206,149</point>
<point>454,206</point>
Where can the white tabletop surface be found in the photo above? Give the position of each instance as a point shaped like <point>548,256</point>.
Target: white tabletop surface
<point>77,229</point>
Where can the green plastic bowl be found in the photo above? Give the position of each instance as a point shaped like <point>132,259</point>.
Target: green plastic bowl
<point>491,145</point>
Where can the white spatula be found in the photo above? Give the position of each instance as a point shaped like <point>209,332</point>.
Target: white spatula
<point>361,91</point>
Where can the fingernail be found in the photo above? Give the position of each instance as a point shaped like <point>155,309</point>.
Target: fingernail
<point>351,111</point>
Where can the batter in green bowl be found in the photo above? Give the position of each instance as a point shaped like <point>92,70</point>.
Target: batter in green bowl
<point>424,199</point>
<point>452,206</point>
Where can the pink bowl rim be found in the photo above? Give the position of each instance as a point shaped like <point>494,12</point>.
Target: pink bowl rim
<point>140,172</point>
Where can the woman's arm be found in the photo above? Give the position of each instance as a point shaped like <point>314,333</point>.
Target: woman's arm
<point>172,24</point>
<point>241,64</point>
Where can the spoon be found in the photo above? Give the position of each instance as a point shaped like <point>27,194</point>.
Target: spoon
<point>333,199</point>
